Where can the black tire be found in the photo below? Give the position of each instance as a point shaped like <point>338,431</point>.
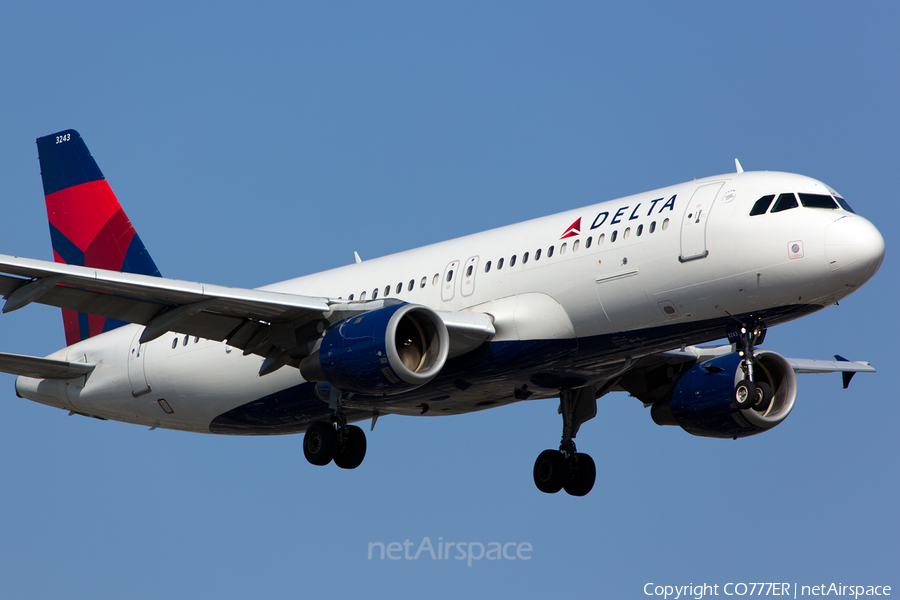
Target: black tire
<point>763,397</point>
<point>585,473</point>
<point>551,471</point>
<point>744,394</point>
<point>320,443</point>
<point>351,454</point>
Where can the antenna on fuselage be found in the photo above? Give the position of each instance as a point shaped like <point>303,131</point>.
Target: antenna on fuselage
<point>356,255</point>
<point>737,166</point>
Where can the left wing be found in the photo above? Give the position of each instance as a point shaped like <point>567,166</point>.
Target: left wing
<point>282,327</point>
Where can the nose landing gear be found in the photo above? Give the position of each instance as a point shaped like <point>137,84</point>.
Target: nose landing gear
<point>749,392</point>
<point>567,468</point>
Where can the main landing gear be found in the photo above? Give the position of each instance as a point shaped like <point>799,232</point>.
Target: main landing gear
<point>751,391</point>
<point>344,444</point>
<point>566,468</point>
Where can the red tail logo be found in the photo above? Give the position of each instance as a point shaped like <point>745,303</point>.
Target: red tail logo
<point>87,225</point>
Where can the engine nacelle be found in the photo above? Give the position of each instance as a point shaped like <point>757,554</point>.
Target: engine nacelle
<point>386,351</point>
<point>703,403</point>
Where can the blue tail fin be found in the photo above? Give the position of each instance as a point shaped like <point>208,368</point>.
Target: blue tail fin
<point>87,224</point>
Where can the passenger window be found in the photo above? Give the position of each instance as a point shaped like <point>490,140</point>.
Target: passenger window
<point>587,244</point>
<point>412,284</point>
<point>549,251</point>
<point>186,338</point>
<point>174,343</point>
<point>499,264</point>
<point>817,201</point>
<point>524,258</point>
<point>375,294</point>
<point>600,239</point>
<point>196,339</point>
<point>362,297</point>
<point>665,224</point>
<point>537,254</point>
<point>435,279</point>
<point>399,288</point>
<point>626,233</point>
<point>424,280</point>
<point>575,245</point>
<point>640,230</point>
<point>512,261</point>
<point>785,202</point>
<point>762,205</point>
<point>652,226</point>
<point>387,291</point>
<point>469,271</point>
<point>350,298</point>
<point>487,266</point>
<point>562,249</point>
<point>450,275</point>
<point>615,234</point>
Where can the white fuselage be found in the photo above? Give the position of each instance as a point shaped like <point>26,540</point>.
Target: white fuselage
<point>688,253</point>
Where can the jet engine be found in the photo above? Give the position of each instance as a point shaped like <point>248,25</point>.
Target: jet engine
<point>385,351</point>
<point>703,400</point>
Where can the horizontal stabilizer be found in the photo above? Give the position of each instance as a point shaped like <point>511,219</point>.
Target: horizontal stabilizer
<point>42,368</point>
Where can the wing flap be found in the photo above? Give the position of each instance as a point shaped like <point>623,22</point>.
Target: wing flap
<point>42,368</point>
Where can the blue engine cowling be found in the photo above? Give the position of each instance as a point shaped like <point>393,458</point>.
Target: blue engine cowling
<point>703,404</point>
<point>385,351</point>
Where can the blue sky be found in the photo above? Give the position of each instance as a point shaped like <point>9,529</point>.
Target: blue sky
<point>251,144</point>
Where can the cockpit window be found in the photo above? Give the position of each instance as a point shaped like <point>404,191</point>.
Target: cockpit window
<point>785,202</point>
<point>817,201</point>
<point>844,204</point>
<point>762,205</point>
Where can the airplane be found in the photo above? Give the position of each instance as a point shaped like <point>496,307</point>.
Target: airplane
<point>617,296</point>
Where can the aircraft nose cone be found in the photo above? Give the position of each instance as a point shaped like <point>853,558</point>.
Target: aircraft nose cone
<point>854,249</point>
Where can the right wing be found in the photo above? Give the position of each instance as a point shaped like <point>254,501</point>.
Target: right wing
<point>653,377</point>
<point>839,365</point>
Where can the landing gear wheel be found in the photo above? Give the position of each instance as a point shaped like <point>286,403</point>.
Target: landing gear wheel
<point>352,452</point>
<point>551,471</point>
<point>585,472</point>
<point>320,443</point>
<point>745,394</point>
<point>763,397</point>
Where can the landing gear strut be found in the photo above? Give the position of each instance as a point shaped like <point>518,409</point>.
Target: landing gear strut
<point>750,393</point>
<point>567,468</point>
<point>338,441</point>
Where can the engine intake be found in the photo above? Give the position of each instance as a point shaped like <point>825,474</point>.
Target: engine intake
<point>386,351</point>
<point>703,404</point>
